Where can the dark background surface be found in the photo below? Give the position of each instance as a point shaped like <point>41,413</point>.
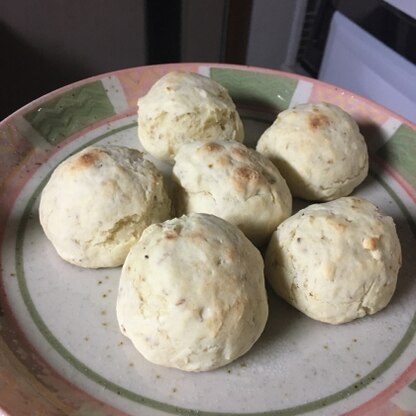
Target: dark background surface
<point>47,44</point>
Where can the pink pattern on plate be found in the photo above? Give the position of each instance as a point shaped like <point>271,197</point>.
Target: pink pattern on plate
<point>380,405</point>
<point>356,106</point>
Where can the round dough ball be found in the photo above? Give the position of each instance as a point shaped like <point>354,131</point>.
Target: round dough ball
<point>97,203</point>
<point>318,149</point>
<point>233,182</point>
<point>336,261</point>
<point>182,107</point>
<point>192,293</point>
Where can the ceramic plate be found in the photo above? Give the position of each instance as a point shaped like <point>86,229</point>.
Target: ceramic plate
<point>61,352</point>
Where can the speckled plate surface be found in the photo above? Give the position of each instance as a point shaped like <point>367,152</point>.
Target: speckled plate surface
<point>61,352</point>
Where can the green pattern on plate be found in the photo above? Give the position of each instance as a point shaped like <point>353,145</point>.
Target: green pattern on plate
<point>263,90</point>
<point>70,112</point>
<point>400,153</point>
<point>412,385</point>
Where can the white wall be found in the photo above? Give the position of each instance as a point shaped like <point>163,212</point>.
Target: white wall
<point>276,27</point>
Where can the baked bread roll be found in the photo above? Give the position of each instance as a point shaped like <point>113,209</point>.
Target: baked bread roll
<point>97,203</point>
<point>182,107</point>
<point>318,149</point>
<point>192,293</point>
<point>336,261</point>
<point>235,183</point>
